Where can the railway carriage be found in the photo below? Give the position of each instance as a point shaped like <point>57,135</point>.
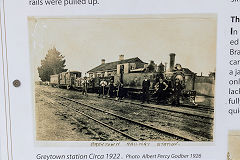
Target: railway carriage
<point>65,79</point>
<point>54,80</point>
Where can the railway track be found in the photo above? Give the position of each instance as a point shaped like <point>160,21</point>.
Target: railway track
<point>174,113</point>
<point>201,107</point>
<point>100,122</point>
<point>177,114</point>
<point>181,124</point>
<point>188,128</point>
<point>142,125</point>
<point>205,111</point>
<point>161,129</point>
<point>202,115</point>
<point>73,111</point>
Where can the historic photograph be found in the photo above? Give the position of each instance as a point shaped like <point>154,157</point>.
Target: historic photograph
<point>233,145</point>
<point>124,78</point>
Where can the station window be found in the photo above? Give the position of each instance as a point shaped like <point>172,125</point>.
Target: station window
<point>132,66</point>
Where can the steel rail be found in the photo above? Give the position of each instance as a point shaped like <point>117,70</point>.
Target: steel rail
<point>130,120</point>
<point>189,114</point>
<point>200,107</point>
<point>160,110</point>
<point>102,123</point>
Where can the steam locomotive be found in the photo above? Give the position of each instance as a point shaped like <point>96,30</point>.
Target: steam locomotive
<point>132,81</point>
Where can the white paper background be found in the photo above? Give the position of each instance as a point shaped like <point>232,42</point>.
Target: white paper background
<point>3,134</point>
<point>21,99</point>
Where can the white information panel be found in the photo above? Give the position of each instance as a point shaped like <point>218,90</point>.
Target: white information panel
<point>119,79</point>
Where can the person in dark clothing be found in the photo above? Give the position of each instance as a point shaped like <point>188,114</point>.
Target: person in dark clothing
<point>145,89</point>
<point>168,92</point>
<point>177,89</point>
<point>160,88</point>
<point>110,89</point>
<point>85,86</point>
<point>120,91</point>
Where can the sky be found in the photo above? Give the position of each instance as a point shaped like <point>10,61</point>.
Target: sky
<point>84,41</point>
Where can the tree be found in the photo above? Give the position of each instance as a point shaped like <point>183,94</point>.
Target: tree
<point>53,63</point>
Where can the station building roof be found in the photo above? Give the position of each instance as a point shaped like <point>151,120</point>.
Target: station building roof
<point>187,71</point>
<point>113,65</point>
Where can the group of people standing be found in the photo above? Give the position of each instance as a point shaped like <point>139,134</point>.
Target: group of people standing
<point>110,89</point>
<point>163,91</point>
<point>160,90</point>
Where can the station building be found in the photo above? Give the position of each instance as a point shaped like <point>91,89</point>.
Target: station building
<point>113,68</point>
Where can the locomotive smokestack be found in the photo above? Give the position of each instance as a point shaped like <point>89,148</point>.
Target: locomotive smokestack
<point>172,61</point>
<point>165,69</point>
<point>103,61</point>
<point>121,57</point>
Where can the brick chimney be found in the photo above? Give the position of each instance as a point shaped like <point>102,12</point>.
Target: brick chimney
<point>172,61</point>
<point>121,57</point>
<point>103,61</point>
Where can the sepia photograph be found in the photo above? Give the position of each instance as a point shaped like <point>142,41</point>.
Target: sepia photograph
<point>233,145</point>
<point>124,78</point>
